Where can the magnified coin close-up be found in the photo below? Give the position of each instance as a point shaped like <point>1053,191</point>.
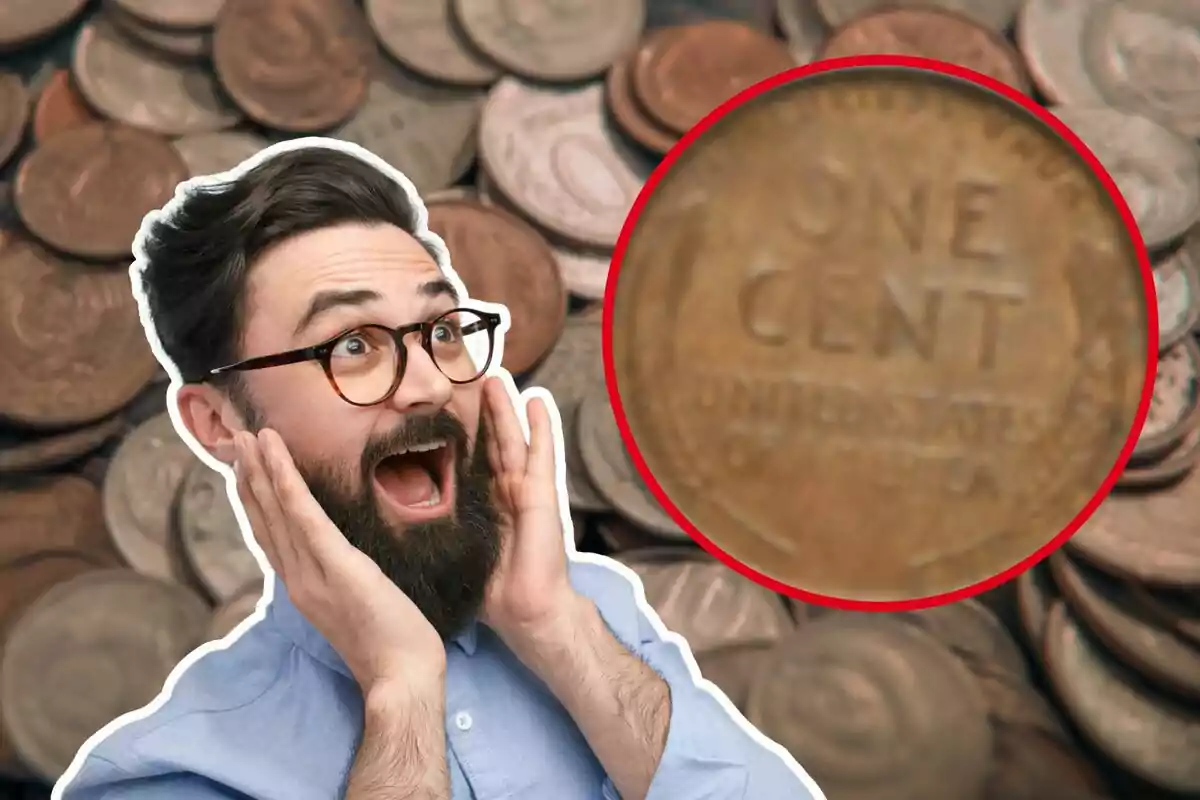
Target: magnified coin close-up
<point>880,333</point>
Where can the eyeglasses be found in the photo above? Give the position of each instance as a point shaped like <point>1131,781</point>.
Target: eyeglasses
<point>365,365</point>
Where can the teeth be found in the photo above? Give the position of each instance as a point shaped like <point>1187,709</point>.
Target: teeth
<point>421,448</point>
<point>433,500</point>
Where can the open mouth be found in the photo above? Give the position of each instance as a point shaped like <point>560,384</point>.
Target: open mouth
<point>418,482</point>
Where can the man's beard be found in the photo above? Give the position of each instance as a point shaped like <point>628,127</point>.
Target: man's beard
<point>442,565</point>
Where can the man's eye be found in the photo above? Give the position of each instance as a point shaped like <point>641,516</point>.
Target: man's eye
<point>352,346</point>
<point>446,333</point>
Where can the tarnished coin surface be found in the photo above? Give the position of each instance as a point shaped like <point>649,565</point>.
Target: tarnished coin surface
<point>60,514</point>
<point>211,537</point>
<point>211,153</point>
<point>1177,286</point>
<point>1050,34</point>
<point>14,113</point>
<point>182,44</point>
<point>427,39</point>
<point>994,14</point>
<point>24,21</point>
<point>873,310</point>
<point>1175,405</point>
<point>803,27</point>
<point>173,14</point>
<point>60,107</point>
<point>35,454</point>
<point>231,614</point>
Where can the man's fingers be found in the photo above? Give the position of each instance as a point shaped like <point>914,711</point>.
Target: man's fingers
<point>540,467</point>
<point>510,439</point>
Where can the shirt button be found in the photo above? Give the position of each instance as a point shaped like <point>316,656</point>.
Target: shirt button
<point>462,721</point>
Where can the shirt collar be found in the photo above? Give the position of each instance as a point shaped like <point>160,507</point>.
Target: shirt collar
<point>293,625</point>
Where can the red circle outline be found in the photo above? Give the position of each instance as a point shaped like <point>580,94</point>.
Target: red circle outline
<point>955,71</point>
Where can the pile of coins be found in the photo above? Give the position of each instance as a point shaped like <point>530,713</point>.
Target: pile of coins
<point>530,127</point>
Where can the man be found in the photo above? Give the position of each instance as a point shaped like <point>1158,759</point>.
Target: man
<point>428,636</point>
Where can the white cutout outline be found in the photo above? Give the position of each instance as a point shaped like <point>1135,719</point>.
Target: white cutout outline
<point>432,240</point>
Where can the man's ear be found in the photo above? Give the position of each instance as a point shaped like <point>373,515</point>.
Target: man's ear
<point>211,418</point>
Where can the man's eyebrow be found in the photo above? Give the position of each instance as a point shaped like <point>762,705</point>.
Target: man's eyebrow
<point>334,298</point>
<point>438,288</point>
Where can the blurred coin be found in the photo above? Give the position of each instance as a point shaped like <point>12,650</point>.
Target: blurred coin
<point>733,669</point>
<point>64,323</point>
<point>1178,610</point>
<point>1152,537</point>
<point>1175,405</point>
<point>112,637</point>
<point>23,21</point>
<point>613,473</point>
<point>298,66</point>
<point>873,707</point>
<point>241,605</point>
<point>1036,593</point>
<point>619,534</point>
<point>994,14</point>
<point>140,489</point>
<point>930,33</point>
<point>805,406</point>
<point>60,513</point>
<point>212,539</point>
<point>42,452</point>
<point>1050,35</point>
<point>1144,58</point>
<point>972,632</point>
<point>574,365</point>
<point>681,78</point>
<point>562,40</point>
<point>803,27</point>
<point>220,151</point>
<point>1177,286</point>
<point>550,152</point>
<point>14,113</point>
<point>427,39</point>
<point>1157,170</point>
<point>1167,468</point>
<point>86,190</point>
<point>501,259</point>
<point>671,13</point>
<point>173,14</point>
<point>1145,733</point>
<point>172,43</point>
<point>132,84</point>
<point>584,272</point>
<point>428,132</point>
<point>1107,608</point>
<point>60,107</point>
<point>625,108</point>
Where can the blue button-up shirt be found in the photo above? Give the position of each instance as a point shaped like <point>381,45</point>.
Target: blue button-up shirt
<point>276,715</point>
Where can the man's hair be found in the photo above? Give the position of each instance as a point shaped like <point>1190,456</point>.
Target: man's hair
<point>196,260</point>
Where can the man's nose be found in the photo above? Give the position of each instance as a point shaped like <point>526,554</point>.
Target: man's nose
<point>423,387</point>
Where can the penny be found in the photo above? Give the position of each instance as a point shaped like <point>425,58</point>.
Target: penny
<point>60,107</point>
<point>1036,593</point>
<point>1050,36</point>
<point>1177,286</point>
<point>212,538</point>
<point>101,354</point>
<point>234,611</point>
<point>1153,538</point>
<point>178,44</point>
<point>428,132</point>
<point>550,151</point>
<point>86,190</point>
<point>733,669</point>
<point>61,513</point>
<point>112,637</point>
<point>1169,468</point>
<point>1156,169</point>
<point>56,449</point>
<point>1109,612</point>
<point>930,33</point>
<point>972,632</point>
<point>1124,45</point>
<point>886,711</point>
<point>1175,404</point>
<point>584,273</point>
<point>613,473</point>
<point>803,27</point>
<point>173,14</point>
<point>24,21</point>
<point>618,94</point>
<point>680,79</point>
<point>503,260</point>
<point>427,39</point>
<point>1146,734</point>
<point>1177,610</point>
<point>673,13</point>
<point>213,153</point>
<point>566,40</point>
<point>994,14</point>
<point>14,113</point>
<point>140,490</point>
<point>574,366</point>
<point>805,407</point>
<point>132,84</point>
<point>298,66</point>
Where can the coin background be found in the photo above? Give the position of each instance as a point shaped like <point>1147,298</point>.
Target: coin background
<point>1039,747</point>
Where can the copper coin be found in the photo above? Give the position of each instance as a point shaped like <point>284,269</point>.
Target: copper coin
<point>503,260</point>
<point>1149,735</point>
<point>173,14</point>
<point>1036,593</point>
<point>60,107</point>
<point>427,39</point>
<point>636,123</point>
<point>831,404</point>
<point>66,324</point>
<point>733,670</point>
<point>210,153</point>
<point>1175,405</point>
<point>86,190</point>
<point>973,633</point>
<point>930,33</point>
<point>112,637</point>
<point>1177,285</point>
<point>574,365</point>
<point>612,471</point>
<point>14,113</point>
<point>996,15</point>
<point>140,489</point>
<point>234,611</point>
<point>1170,468</point>
<point>50,450</point>
<point>173,43</point>
<point>211,536</point>
<point>1108,609</point>
<point>295,65</point>
<point>24,21</point>
<point>874,707</point>
<point>1178,610</point>
<point>681,78</point>
<point>62,513</point>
